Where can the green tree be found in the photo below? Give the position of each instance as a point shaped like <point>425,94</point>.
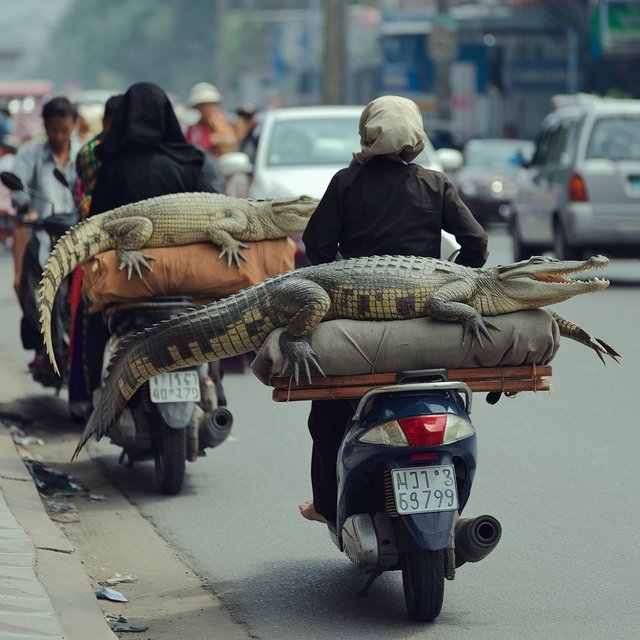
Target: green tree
<point>113,44</point>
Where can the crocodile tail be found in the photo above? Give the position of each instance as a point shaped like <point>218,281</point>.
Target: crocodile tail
<point>82,241</point>
<point>233,326</point>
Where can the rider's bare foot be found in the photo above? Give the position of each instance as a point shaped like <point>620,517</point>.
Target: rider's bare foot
<point>307,510</point>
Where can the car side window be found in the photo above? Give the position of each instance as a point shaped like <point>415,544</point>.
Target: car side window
<point>541,155</point>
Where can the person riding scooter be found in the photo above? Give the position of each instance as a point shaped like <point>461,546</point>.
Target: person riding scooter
<point>43,195</point>
<point>382,204</point>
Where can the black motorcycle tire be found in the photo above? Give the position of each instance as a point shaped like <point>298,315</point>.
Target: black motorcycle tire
<point>170,455</point>
<point>423,582</point>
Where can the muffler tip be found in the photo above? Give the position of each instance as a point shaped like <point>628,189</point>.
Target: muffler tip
<point>215,428</point>
<point>476,538</point>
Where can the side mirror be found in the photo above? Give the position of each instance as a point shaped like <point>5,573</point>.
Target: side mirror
<point>234,163</point>
<point>450,159</point>
<point>11,181</point>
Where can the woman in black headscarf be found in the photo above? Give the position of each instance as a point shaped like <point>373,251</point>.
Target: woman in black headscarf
<point>145,154</point>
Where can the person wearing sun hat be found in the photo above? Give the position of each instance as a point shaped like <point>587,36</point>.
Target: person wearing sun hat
<point>212,132</point>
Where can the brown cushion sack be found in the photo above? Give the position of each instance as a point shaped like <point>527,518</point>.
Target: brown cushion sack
<point>193,270</point>
<point>350,347</point>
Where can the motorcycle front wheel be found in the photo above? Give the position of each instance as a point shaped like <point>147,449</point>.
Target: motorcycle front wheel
<point>170,454</point>
<point>423,582</point>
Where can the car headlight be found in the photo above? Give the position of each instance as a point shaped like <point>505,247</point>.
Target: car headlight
<point>496,188</point>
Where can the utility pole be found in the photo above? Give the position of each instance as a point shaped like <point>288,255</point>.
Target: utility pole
<point>441,49</point>
<point>220,80</point>
<point>334,55</point>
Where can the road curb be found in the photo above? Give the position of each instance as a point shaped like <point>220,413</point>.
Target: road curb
<point>42,576</point>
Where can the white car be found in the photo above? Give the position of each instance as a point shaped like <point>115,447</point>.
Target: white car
<point>301,148</point>
<point>580,195</point>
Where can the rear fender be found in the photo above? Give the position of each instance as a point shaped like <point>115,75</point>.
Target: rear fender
<point>176,415</point>
<point>430,531</point>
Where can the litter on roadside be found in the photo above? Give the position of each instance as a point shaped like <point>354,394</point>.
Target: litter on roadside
<point>110,594</point>
<point>60,506</point>
<point>92,497</point>
<point>70,516</point>
<point>25,441</point>
<point>127,626</point>
<point>118,579</point>
<point>50,481</point>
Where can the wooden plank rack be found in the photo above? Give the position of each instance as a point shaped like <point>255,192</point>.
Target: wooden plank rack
<point>509,380</point>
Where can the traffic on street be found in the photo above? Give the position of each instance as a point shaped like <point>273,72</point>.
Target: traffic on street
<point>319,319</point>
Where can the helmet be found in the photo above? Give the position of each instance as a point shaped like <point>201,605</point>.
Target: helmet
<point>202,93</point>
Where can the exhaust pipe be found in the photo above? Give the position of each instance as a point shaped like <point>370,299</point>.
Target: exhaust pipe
<point>215,428</point>
<point>476,538</point>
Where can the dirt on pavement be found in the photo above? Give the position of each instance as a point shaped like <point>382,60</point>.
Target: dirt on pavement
<point>111,537</point>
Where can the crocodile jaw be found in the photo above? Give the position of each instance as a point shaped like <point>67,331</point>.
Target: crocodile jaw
<point>541,281</point>
<point>292,214</point>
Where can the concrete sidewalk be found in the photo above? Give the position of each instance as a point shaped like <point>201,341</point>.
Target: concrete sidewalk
<point>44,591</point>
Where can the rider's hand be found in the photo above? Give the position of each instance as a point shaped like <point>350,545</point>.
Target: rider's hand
<point>30,216</point>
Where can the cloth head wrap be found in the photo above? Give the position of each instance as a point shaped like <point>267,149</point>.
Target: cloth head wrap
<point>391,126</point>
<point>145,118</point>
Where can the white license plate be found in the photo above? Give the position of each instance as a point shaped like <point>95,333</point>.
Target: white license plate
<point>425,489</point>
<point>176,386</point>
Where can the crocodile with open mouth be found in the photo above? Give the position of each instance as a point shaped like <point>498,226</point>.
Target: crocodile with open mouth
<point>372,288</point>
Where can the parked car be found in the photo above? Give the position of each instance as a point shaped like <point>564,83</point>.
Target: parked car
<point>488,177</point>
<point>581,193</point>
<point>301,148</point>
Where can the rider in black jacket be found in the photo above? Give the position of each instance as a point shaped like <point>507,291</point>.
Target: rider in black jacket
<point>382,204</point>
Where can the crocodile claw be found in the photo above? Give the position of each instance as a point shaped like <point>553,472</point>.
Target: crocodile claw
<point>478,327</point>
<point>233,253</point>
<point>133,260</point>
<point>298,356</point>
<point>601,347</point>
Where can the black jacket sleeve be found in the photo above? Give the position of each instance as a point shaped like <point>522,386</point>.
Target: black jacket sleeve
<point>458,220</point>
<point>322,235</point>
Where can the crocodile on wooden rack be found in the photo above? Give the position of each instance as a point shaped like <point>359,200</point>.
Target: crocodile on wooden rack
<point>375,288</point>
<point>167,221</point>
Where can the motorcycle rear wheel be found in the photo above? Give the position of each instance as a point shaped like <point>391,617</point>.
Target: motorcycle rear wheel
<point>170,454</point>
<point>423,583</point>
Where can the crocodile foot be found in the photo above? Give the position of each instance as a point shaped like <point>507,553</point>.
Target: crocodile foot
<point>477,327</point>
<point>232,252</point>
<point>134,260</point>
<point>298,356</point>
<point>601,347</point>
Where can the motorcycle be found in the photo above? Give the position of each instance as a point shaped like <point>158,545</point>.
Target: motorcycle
<point>405,471</point>
<point>55,225</point>
<point>174,416</point>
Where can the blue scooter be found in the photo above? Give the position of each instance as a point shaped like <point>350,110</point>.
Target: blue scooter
<point>405,470</point>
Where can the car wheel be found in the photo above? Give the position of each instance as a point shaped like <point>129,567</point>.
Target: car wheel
<point>561,247</point>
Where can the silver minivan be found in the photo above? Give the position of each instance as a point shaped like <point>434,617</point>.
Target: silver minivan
<point>581,192</point>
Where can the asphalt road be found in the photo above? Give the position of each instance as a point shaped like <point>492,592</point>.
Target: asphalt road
<point>558,469</point>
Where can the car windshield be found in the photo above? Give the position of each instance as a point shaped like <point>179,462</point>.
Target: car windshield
<point>500,153</point>
<point>314,141</point>
<point>615,138</point>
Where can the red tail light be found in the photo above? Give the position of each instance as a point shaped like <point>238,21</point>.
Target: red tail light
<point>577,189</point>
<point>424,431</point>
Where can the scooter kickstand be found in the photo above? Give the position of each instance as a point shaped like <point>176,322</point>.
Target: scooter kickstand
<point>370,580</point>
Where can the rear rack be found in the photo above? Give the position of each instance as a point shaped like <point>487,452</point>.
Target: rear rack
<point>509,380</point>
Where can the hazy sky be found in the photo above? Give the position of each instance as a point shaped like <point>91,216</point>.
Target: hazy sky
<point>26,26</point>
